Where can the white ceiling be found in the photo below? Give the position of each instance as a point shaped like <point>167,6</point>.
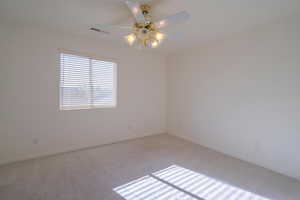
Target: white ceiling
<point>210,19</point>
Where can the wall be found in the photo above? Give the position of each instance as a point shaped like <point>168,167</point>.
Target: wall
<point>31,123</point>
<point>241,96</point>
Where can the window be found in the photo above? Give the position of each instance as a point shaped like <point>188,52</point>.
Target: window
<point>86,83</point>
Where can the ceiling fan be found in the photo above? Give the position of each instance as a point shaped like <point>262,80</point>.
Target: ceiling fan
<point>144,33</point>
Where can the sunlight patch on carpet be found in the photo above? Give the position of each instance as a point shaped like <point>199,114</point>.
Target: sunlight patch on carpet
<point>178,183</point>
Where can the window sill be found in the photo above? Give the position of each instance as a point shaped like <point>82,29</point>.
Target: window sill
<point>86,107</point>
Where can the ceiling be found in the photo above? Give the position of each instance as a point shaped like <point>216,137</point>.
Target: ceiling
<point>210,20</point>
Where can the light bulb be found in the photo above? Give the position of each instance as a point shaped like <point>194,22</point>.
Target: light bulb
<point>159,36</point>
<point>135,10</point>
<point>130,38</point>
<point>162,23</point>
<point>154,44</point>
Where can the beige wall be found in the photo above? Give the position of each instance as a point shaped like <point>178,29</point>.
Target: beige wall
<point>242,96</point>
<point>31,123</point>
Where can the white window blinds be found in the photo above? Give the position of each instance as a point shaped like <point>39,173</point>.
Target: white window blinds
<point>86,83</point>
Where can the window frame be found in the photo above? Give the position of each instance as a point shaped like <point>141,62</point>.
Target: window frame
<point>89,107</point>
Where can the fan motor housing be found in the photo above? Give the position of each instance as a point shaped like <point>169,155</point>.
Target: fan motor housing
<point>150,26</point>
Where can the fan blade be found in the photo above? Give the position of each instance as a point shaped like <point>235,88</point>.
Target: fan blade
<point>173,19</point>
<point>112,29</point>
<point>99,30</point>
<point>135,8</point>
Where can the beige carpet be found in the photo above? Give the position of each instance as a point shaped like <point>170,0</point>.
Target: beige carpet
<point>157,167</point>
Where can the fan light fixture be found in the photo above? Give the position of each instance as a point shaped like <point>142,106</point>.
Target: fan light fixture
<point>145,34</point>
<point>151,40</point>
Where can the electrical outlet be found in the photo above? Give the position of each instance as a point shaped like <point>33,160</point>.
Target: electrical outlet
<point>35,141</point>
<point>130,127</point>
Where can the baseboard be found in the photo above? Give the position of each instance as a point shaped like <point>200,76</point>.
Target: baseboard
<point>47,155</point>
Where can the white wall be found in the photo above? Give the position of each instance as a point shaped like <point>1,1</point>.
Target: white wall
<point>29,88</point>
<point>241,96</point>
